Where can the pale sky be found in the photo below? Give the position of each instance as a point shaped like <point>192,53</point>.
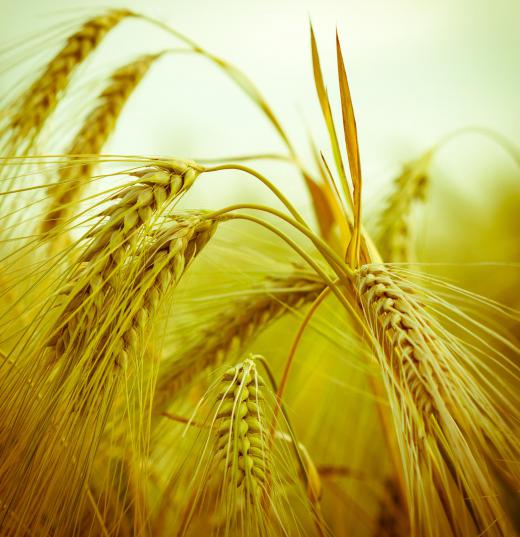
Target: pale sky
<point>417,69</point>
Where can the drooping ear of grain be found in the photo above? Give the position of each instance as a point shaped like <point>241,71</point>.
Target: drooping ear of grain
<point>394,235</point>
<point>407,340</point>
<point>439,411</point>
<point>233,331</point>
<point>112,239</point>
<point>90,140</point>
<point>99,346</point>
<point>36,104</point>
<point>164,263</point>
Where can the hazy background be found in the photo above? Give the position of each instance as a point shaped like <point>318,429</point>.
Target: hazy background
<point>418,69</point>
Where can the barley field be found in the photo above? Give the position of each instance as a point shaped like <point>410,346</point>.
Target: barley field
<point>249,343</point>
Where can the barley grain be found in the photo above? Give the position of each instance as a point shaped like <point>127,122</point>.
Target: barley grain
<point>394,233</point>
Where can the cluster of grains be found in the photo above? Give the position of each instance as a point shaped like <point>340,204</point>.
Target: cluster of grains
<point>34,107</point>
<point>395,237</point>
<point>240,450</point>
<point>91,138</point>
<point>95,343</point>
<point>114,239</point>
<point>433,402</point>
<point>234,330</point>
<point>404,334</point>
<point>165,261</point>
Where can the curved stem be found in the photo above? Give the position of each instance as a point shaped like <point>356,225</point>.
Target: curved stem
<point>281,407</point>
<point>502,141</point>
<point>238,76</point>
<point>330,283</point>
<point>239,167</point>
<point>328,253</point>
<point>296,342</point>
<point>244,158</point>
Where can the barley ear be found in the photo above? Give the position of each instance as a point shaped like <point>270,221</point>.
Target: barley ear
<point>90,140</point>
<point>394,232</point>
<point>33,108</point>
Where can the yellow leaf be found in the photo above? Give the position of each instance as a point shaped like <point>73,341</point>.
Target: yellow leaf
<point>351,142</point>
<point>327,116</point>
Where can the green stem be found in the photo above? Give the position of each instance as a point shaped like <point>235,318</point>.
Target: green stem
<point>325,250</point>
<point>239,167</point>
<point>299,251</point>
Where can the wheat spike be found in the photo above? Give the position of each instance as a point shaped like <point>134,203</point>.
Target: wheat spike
<point>91,138</point>
<point>234,330</point>
<point>38,102</point>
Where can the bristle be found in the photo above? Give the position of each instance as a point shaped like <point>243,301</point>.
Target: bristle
<point>233,331</point>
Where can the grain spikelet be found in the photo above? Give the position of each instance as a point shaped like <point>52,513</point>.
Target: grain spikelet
<point>243,482</point>
<point>165,262</point>
<point>241,444</point>
<point>157,272</point>
<point>91,138</point>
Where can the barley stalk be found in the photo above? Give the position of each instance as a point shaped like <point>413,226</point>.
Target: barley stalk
<point>234,330</point>
<point>91,138</point>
